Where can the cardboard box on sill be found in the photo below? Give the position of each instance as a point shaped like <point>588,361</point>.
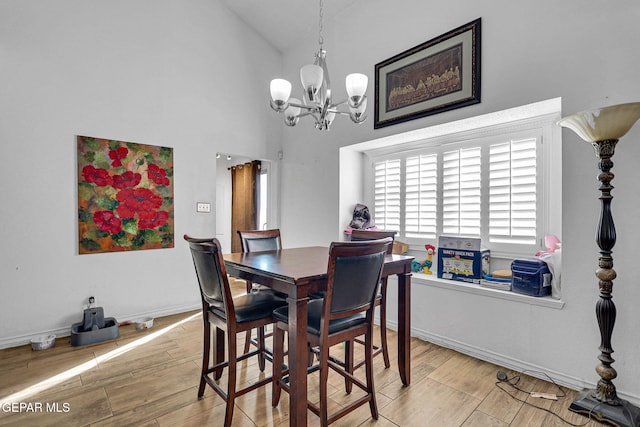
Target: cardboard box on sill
<point>462,259</point>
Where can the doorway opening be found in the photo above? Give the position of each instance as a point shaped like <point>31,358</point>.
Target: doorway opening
<point>255,202</point>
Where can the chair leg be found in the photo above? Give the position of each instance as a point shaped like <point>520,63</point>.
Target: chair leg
<point>262,349</point>
<point>383,323</point>
<point>218,353</point>
<point>373,406</point>
<point>247,339</point>
<point>206,352</point>
<point>310,355</point>
<point>278,361</point>
<point>348,364</point>
<point>324,376</point>
<point>231,386</point>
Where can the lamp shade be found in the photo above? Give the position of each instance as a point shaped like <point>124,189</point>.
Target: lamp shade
<point>603,123</point>
<point>280,90</point>
<point>356,84</point>
<point>311,77</point>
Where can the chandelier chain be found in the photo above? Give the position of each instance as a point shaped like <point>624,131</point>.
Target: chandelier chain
<point>320,38</point>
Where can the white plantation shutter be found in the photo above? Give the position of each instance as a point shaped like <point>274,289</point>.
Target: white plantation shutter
<point>386,209</point>
<point>513,192</point>
<point>421,196</point>
<point>461,192</point>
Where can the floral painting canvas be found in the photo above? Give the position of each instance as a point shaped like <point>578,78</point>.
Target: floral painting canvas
<point>125,196</point>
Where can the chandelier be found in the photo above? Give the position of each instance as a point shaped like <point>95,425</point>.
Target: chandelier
<point>316,101</point>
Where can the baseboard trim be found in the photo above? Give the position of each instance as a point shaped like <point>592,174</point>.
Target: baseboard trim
<point>517,365</point>
<point>19,340</point>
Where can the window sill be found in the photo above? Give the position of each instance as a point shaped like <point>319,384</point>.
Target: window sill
<point>431,280</point>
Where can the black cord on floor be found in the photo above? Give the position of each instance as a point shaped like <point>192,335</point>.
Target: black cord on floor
<point>513,382</point>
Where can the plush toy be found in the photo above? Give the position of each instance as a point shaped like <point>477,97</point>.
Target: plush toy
<point>424,266</point>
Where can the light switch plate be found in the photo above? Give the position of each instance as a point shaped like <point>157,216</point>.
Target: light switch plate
<point>203,207</point>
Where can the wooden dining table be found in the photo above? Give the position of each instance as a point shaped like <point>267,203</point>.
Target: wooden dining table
<point>299,272</point>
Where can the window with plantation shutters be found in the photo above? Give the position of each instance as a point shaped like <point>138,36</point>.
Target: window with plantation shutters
<point>496,176</point>
<point>485,187</point>
<point>513,191</point>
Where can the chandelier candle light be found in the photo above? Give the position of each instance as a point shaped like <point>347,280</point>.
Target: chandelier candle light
<point>317,93</point>
<point>603,128</point>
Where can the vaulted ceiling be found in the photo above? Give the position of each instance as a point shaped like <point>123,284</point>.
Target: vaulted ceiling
<point>282,22</point>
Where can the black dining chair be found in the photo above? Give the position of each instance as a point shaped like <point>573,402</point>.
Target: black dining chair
<point>257,241</point>
<point>345,312</point>
<point>381,300</point>
<point>230,315</point>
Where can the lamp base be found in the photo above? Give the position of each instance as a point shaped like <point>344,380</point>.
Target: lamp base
<point>623,415</point>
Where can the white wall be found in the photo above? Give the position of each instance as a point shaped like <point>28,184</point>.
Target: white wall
<point>156,72</point>
<point>584,51</point>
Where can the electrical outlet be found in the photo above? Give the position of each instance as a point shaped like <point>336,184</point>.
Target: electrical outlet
<point>203,207</point>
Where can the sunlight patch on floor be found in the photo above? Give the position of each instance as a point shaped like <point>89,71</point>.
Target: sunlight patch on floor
<point>77,370</point>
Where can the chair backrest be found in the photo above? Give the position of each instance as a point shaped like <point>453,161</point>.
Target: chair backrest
<point>353,275</point>
<point>260,240</point>
<point>211,273</point>
<point>360,235</point>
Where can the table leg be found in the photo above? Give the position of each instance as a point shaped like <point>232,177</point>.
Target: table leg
<point>404,327</point>
<point>298,359</point>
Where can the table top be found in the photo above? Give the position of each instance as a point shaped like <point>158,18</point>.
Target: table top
<point>294,264</point>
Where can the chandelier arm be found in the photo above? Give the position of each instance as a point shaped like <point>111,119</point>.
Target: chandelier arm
<point>306,107</point>
<point>346,101</point>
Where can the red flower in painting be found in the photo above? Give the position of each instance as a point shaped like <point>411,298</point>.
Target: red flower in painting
<point>157,175</point>
<point>117,155</point>
<point>107,221</point>
<point>136,200</point>
<point>100,177</point>
<point>126,180</point>
<point>152,219</point>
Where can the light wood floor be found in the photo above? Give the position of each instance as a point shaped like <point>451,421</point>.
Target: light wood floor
<point>150,378</point>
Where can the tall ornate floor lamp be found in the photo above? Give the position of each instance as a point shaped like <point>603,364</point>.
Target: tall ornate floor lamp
<point>603,128</point>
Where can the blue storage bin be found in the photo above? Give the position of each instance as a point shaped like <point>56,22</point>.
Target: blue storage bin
<point>530,277</point>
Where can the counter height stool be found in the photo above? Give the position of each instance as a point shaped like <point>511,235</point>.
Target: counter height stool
<point>346,312</point>
<point>230,315</point>
<point>381,301</point>
<point>257,241</point>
